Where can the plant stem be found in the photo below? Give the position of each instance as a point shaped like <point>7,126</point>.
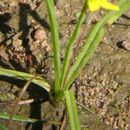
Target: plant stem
<point>70,44</point>
<point>56,45</point>
<point>86,51</point>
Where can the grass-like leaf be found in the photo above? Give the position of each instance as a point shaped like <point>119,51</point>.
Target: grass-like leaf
<point>72,110</point>
<point>55,40</point>
<point>123,5</point>
<point>17,118</point>
<point>89,47</point>
<point>70,43</point>
<point>25,76</point>
<point>81,62</point>
<point>2,127</point>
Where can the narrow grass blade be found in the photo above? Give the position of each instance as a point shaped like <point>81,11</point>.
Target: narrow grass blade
<point>80,63</point>
<point>124,5</point>
<point>17,118</point>
<point>25,76</point>
<point>89,41</point>
<point>71,42</point>
<point>55,40</point>
<point>2,127</point>
<point>72,110</point>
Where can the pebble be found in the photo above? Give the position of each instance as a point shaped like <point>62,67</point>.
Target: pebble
<point>40,35</point>
<point>126,45</point>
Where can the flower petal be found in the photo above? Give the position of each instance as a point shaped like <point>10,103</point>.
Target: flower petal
<point>109,6</point>
<point>94,5</point>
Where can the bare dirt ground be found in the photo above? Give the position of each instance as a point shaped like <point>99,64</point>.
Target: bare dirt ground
<point>102,89</point>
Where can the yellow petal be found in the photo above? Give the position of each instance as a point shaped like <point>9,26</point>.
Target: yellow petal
<point>107,5</point>
<point>94,5</point>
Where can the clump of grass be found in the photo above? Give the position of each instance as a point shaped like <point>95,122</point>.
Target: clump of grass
<point>65,76</point>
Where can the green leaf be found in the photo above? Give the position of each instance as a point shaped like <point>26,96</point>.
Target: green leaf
<point>70,43</point>
<point>25,76</point>
<point>87,50</point>
<point>123,5</point>
<point>72,110</point>
<point>17,118</point>
<point>80,62</point>
<point>2,127</point>
<point>55,40</point>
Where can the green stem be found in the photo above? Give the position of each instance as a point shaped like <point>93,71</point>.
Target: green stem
<point>81,61</point>
<point>72,110</point>
<point>25,76</point>
<point>70,44</point>
<point>56,45</point>
<point>86,47</point>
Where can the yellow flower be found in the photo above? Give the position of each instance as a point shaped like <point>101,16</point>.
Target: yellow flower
<point>97,4</point>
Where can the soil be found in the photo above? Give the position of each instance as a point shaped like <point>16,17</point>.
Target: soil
<point>103,88</point>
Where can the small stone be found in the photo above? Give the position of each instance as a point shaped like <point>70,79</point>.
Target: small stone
<point>40,35</point>
<point>126,45</point>
<point>17,43</point>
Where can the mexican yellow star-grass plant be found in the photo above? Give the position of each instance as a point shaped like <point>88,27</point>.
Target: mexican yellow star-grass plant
<point>94,5</point>
<point>63,80</point>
